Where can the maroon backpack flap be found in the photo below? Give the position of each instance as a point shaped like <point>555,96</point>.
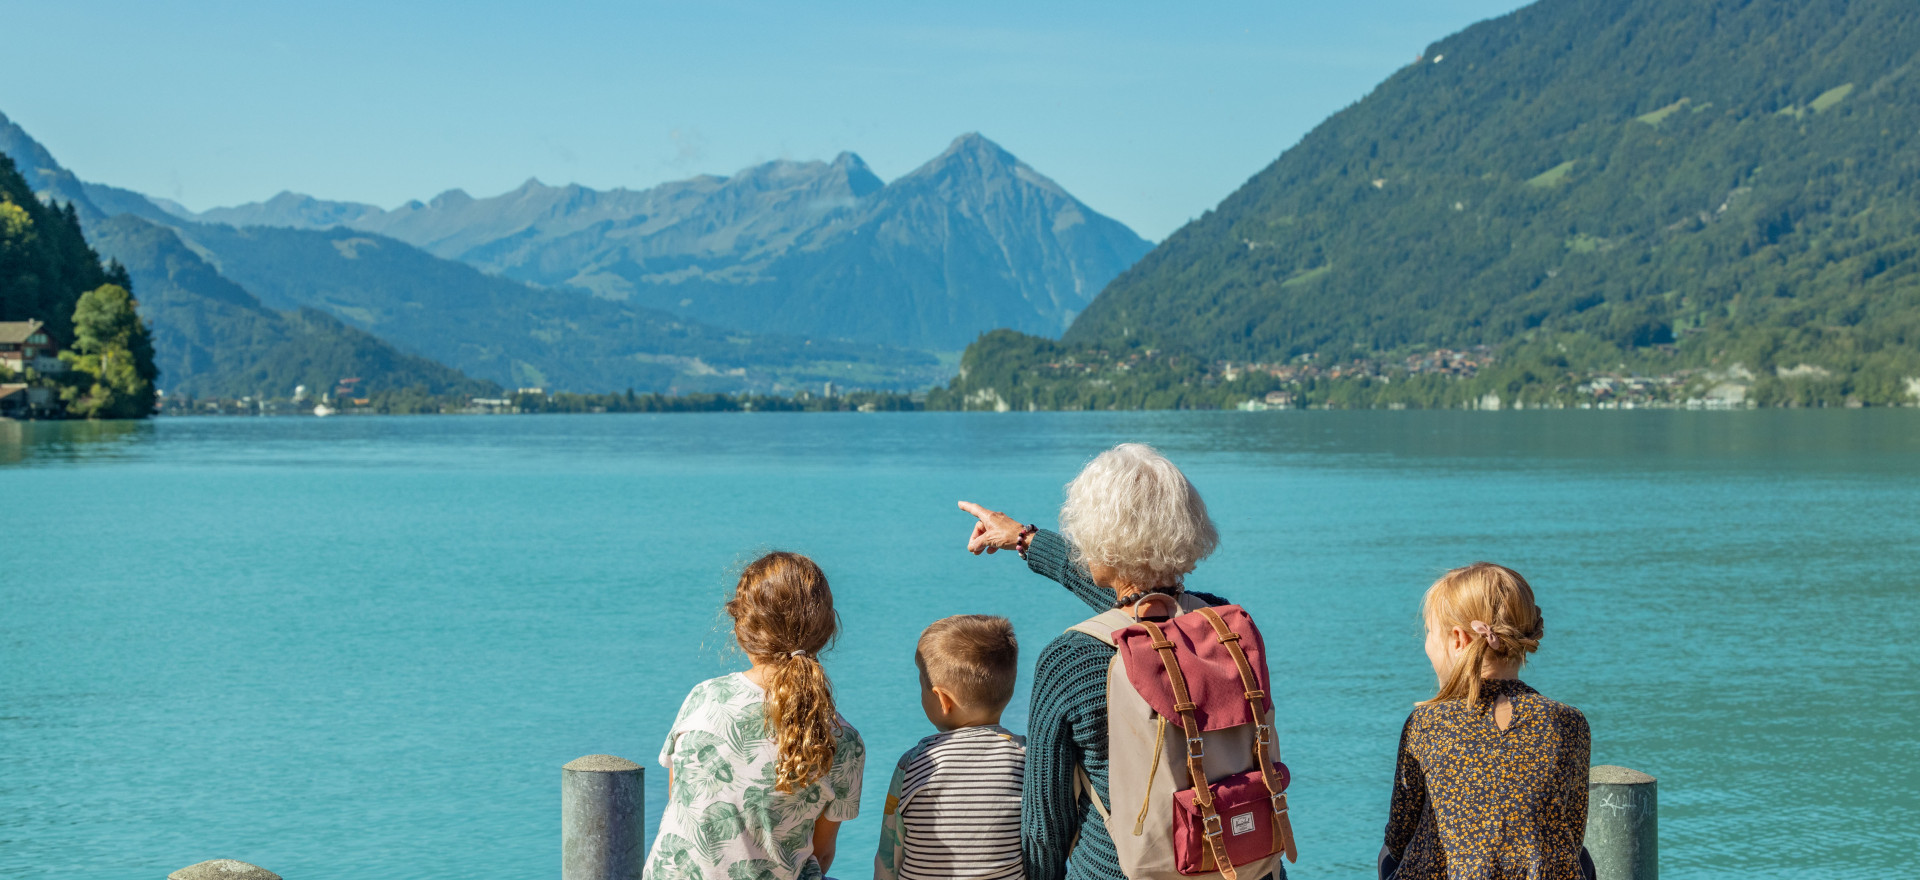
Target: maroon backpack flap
<point>1213,678</point>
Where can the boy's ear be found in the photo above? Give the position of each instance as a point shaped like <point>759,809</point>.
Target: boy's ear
<point>947,703</point>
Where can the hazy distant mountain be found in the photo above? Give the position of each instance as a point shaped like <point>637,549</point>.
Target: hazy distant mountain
<point>51,181</point>
<point>970,241</point>
<point>243,311</point>
<point>212,337</point>
<point>522,335</point>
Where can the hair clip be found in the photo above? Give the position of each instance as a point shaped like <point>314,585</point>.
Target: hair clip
<point>1493,641</point>
<point>799,653</point>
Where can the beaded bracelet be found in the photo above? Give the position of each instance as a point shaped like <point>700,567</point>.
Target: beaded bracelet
<point>1021,543</point>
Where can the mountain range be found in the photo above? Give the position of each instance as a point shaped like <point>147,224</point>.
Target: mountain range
<point>1658,185</point>
<point>801,266</point>
<point>972,240</point>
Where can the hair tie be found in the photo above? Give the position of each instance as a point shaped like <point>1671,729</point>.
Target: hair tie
<point>1493,641</point>
<point>800,653</point>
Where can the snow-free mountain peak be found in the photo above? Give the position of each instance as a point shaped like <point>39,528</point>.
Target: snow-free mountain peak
<point>971,240</point>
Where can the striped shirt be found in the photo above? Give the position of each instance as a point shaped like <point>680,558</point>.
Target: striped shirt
<point>953,809</point>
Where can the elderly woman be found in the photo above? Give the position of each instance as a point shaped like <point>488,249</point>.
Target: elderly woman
<point>1131,524</point>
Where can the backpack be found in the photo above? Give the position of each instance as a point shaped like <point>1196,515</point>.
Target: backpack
<point>1211,799</point>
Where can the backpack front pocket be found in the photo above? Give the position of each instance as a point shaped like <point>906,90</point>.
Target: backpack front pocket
<point>1245,812</point>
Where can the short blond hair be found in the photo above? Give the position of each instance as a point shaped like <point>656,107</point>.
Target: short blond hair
<point>974,657</point>
<point>1131,510</point>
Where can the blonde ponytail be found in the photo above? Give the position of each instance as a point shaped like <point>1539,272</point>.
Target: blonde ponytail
<point>783,617</point>
<point>1501,602</point>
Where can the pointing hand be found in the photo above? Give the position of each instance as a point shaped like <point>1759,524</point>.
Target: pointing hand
<point>994,531</point>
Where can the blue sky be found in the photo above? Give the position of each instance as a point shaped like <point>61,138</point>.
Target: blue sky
<point>1150,113</point>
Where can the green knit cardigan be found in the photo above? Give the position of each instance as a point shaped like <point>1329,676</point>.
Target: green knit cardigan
<point>1066,728</point>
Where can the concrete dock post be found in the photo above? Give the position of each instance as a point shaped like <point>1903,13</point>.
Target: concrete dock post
<point>1623,823</point>
<point>223,869</point>
<point>602,819</point>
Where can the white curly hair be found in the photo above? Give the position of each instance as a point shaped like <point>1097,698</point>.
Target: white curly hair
<point>1131,510</point>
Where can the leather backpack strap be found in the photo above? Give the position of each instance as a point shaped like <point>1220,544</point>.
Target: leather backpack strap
<point>1102,625</point>
<point>1262,734</point>
<point>1196,750</point>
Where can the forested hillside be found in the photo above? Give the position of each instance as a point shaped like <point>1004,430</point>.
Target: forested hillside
<point>49,274</point>
<point>520,335</point>
<point>1647,185</point>
<point>214,339</point>
<point>45,263</point>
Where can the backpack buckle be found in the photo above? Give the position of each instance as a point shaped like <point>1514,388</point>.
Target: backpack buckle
<point>1263,734</point>
<point>1279,804</point>
<point>1196,747</point>
<point>1212,825</point>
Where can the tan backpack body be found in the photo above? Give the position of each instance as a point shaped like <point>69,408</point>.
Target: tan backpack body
<point>1164,827</point>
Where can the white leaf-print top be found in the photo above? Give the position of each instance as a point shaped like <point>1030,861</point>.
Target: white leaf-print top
<point>724,820</point>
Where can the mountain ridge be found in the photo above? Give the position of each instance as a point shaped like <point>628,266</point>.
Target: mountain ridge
<point>214,338</point>
<point>303,300</point>
<point>970,240</point>
<point>1679,186</point>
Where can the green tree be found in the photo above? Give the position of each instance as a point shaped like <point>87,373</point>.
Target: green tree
<point>113,355</point>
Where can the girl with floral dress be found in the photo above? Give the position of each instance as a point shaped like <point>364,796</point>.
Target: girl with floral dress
<point>761,769</point>
<point>1491,783</point>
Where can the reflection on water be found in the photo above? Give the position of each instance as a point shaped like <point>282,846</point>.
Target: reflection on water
<point>1650,439</point>
<point>68,441</point>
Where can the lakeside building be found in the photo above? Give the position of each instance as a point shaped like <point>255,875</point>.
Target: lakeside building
<point>25,401</point>
<point>24,345</point>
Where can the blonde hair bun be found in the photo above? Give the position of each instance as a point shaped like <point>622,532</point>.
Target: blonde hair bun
<point>1495,604</point>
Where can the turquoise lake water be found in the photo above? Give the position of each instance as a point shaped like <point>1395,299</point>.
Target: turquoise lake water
<point>363,647</point>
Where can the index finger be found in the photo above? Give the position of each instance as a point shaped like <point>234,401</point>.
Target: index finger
<point>979,512</point>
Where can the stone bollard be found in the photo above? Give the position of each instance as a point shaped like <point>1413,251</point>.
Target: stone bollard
<point>223,869</point>
<point>1623,824</point>
<point>602,819</point>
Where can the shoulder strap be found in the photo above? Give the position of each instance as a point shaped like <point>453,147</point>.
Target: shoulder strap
<point>1102,625</point>
<point>1082,783</point>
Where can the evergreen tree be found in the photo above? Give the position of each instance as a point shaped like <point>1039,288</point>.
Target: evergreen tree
<point>48,273</point>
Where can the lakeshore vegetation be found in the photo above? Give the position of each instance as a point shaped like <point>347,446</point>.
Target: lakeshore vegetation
<point>1681,195</point>
<point>48,273</point>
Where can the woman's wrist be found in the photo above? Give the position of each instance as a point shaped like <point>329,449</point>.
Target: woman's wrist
<point>1025,540</point>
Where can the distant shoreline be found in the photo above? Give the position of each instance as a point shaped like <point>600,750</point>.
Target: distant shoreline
<point>235,413</point>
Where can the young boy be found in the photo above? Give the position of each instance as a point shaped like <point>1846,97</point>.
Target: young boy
<point>953,810</point>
